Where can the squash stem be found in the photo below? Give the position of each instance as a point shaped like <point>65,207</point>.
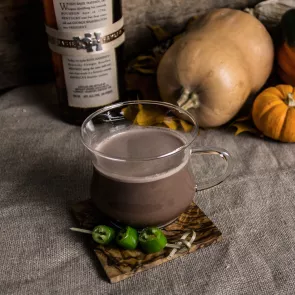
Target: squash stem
<point>184,97</point>
<point>192,103</point>
<point>290,100</point>
<point>188,100</point>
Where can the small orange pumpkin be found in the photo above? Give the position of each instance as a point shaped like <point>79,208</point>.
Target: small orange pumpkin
<point>273,113</point>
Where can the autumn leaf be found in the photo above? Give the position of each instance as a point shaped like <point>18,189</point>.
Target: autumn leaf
<point>170,122</point>
<point>159,33</point>
<point>130,112</point>
<point>148,117</point>
<point>145,64</point>
<point>245,124</point>
<point>153,116</point>
<point>187,127</point>
<point>244,127</point>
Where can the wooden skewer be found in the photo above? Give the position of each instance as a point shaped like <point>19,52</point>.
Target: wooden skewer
<point>80,230</point>
<point>174,246</point>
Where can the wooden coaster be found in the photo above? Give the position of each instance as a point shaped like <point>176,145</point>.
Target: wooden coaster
<point>121,264</point>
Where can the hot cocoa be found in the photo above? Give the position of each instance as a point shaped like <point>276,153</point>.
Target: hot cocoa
<point>137,192</point>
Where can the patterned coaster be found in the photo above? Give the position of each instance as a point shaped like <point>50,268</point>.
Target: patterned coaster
<point>121,264</point>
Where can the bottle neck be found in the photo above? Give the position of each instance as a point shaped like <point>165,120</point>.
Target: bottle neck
<point>117,10</point>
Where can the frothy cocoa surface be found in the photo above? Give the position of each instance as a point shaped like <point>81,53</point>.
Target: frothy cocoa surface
<point>142,193</point>
<point>141,143</point>
<point>137,144</point>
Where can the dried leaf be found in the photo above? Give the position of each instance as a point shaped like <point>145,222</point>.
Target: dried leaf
<point>245,124</point>
<point>244,127</point>
<point>160,33</point>
<point>143,70</point>
<point>148,117</point>
<point>171,123</point>
<point>145,64</point>
<point>145,58</point>
<point>130,112</point>
<point>187,127</point>
<point>153,116</point>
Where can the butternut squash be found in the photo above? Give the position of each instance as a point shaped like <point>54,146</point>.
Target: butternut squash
<point>210,71</point>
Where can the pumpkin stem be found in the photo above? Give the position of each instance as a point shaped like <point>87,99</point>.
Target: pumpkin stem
<point>290,100</point>
<point>188,100</point>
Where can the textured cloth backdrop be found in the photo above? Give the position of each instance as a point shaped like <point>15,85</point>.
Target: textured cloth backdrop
<point>45,168</point>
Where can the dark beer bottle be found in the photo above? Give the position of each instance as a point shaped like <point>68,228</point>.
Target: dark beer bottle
<point>86,39</point>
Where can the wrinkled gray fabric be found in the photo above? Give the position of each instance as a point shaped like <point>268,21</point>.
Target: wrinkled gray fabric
<point>44,169</point>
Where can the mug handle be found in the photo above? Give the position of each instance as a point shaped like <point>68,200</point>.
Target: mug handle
<point>214,151</point>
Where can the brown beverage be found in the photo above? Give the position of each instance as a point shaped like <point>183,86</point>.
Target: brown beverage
<point>143,193</point>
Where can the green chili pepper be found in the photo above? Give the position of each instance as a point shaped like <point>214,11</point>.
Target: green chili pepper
<point>127,238</point>
<point>103,234</point>
<point>152,240</point>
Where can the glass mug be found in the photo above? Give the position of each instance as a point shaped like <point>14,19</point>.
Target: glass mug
<point>141,154</point>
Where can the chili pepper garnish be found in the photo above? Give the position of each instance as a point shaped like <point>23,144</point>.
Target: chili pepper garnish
<point>127,238</point>
<point>103,234</point>
<point>152,240</point>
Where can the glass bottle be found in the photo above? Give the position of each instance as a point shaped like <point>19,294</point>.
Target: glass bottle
<point>86,39</point>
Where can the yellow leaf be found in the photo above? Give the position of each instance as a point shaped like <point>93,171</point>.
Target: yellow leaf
<point>145,64</point>
<point>148,117</point>
<point>153,116</point>
<point>143,70</point>
<point>171,123</point>
<point>160,33</point>
<point>145,58</point>
<point>130,112</point>
<point>187,127</point>
<point>244,127</point>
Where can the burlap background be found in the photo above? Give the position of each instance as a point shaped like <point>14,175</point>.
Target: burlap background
<point>44,168</point>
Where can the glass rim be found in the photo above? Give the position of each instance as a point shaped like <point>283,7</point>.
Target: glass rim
<point>136,102</point>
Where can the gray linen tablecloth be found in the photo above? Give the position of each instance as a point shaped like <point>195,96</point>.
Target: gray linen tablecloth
<point>45,168</point>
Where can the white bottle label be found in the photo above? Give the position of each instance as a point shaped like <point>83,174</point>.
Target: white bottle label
<point>83,15</point>
<point>91,77</point>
